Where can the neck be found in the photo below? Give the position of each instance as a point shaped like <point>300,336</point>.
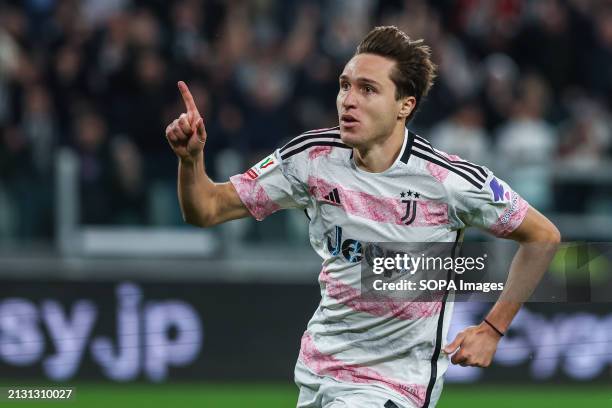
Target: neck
<point>381,154</point>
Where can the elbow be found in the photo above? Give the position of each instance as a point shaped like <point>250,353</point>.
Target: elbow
<point>537,229</point>
<point>198,221</point>
<point>548,235</point>
<point>555,235</point>
<point>547,241</point>
<point>190,220</point>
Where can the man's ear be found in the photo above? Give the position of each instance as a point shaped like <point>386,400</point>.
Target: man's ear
<point>408,105</point>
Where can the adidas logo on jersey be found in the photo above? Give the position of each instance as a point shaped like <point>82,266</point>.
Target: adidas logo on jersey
<point>333,197</point>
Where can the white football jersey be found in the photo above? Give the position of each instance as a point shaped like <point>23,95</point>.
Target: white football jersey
<point>425,196</point>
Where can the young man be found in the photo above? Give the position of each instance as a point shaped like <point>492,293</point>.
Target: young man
<point>353,181</point>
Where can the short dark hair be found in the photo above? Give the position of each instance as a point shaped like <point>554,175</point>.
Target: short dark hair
<point>414,72</point>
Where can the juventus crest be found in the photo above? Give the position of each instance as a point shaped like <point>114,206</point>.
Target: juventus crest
<point>410,212</point>
<point>411,207</point>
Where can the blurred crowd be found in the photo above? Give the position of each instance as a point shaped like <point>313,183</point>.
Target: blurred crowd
<point>523,85</point>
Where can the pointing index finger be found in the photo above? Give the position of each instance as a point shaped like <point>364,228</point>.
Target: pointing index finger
<point>187,98</point>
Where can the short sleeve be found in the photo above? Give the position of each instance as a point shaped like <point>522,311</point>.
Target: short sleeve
<point>273,184</point>
<point>492,206</point>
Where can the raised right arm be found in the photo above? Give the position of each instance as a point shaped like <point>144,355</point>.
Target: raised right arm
<point>203,202</point>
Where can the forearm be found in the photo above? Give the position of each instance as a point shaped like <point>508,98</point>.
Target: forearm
<point>196,192</point>
<point>530,263</point>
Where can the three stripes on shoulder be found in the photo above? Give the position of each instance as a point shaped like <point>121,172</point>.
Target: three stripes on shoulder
<point>420,147</point>
<point>474,174</point>
<point>319,137</point>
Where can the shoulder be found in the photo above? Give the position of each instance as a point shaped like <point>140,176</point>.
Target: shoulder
<point>313,144</point>
<point>448,169</point>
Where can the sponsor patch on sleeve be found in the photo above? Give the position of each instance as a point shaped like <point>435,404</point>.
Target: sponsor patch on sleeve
<point>262,167</point>
<point>252,173</point>
<point>500,190</point>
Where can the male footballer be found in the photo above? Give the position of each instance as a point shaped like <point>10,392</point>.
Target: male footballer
<point>351,181</point>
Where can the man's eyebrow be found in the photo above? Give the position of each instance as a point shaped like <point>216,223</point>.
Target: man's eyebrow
<point>359,79</point>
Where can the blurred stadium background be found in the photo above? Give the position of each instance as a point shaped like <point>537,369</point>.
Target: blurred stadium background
<point>105,289</point>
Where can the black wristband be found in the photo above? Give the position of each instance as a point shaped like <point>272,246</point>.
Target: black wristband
<point>494,328</point>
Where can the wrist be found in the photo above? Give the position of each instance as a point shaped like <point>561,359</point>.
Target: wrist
<point>492,328</point>
<point>190,160</point>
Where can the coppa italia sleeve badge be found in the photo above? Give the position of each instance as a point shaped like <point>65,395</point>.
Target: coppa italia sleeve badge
<point>263,166</point>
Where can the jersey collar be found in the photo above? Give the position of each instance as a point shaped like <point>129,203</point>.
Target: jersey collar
<point>403,157</point>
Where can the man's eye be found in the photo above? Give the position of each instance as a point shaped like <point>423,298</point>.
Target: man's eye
<point>345,86</point>
<point>368,89</point>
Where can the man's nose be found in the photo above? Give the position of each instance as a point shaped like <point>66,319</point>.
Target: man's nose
<point>350,99</point>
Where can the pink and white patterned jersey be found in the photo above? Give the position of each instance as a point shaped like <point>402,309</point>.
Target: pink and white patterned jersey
<point>425,196</point>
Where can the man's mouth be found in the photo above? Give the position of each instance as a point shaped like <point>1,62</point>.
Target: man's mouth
<point>347,120</point>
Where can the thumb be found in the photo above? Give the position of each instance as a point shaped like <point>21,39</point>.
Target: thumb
<point>200,130</point>
<point>454,345</point>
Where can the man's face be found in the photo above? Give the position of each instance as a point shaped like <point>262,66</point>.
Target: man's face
<point>366,103</point>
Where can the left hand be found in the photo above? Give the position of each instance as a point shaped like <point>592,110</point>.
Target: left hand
<point>476,344</point>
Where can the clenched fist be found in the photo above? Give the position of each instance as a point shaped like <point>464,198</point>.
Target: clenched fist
<point>187,134</point>
<point>476,345</point>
